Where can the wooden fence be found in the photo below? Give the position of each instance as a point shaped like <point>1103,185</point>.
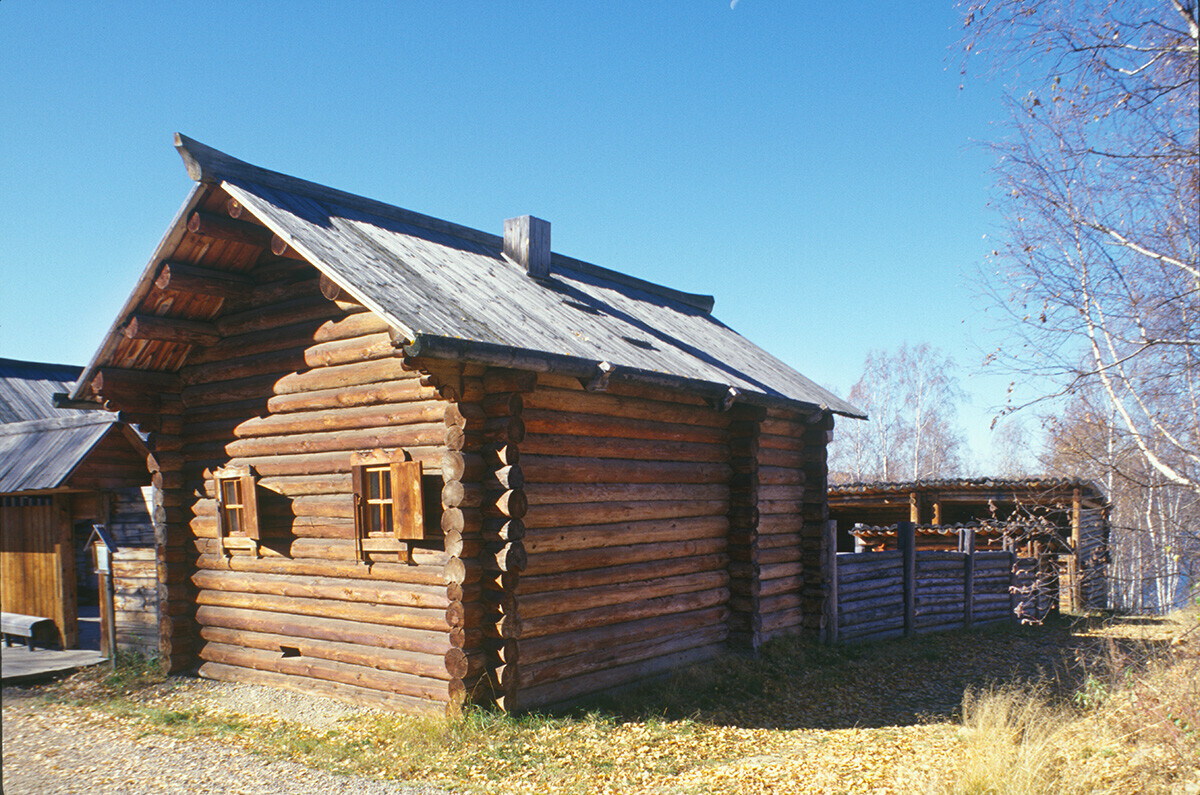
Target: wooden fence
<point>877,595</point>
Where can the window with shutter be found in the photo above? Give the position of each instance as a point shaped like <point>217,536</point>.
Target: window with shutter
<point>387,497</point>
<point>237,508</point>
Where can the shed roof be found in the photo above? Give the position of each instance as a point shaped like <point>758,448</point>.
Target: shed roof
<point>42,454</point>
<point>977,488</point>
<point>27,389</point>
<point>450,292</point>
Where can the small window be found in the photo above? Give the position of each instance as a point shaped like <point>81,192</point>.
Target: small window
<point>387,496</point>
<point>237,504</point>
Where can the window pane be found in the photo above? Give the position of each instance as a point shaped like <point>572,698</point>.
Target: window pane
<point>233,520</point>
<point>374,517</point>
<point>378,484</point>
<point>231,491</point>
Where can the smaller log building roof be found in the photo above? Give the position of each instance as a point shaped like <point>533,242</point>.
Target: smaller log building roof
<point>41,445</point>
<point>27,389</point>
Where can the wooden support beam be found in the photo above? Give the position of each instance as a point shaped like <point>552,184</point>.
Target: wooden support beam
<point>182,278</point>
<point>230,229</point>
<point>280,248</point>
<point>334,292</point>
<point>111,379</point>
<point>170,329</point>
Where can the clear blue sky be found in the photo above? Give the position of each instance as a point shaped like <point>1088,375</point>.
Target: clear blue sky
<point>810,163</point>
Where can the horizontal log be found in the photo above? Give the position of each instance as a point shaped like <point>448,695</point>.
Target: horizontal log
<point>426,434</point>
<point>187,332</point>
<point>781,476</point>
<point>620,654</point>
<point>580,599</point>
<point>615,405</point>
<point>571,493</point>
<point>577,424</point>
<point>428,666</point>
<point>544,469</point>
<point>180,277</point>
<point>579,514</point>
<point>116,380</point>
<point>341,376</point>
<point>565,690</point>
<point>231,229</point>
<point>601,447</point>
<point>347,418</point>
<point>781,624</point>
<point>869,627</point>
<point>576,560</point>
<point>270,365</point>
<point>342,589</point>
<point>335,549</point>
<point>342,692</point>
<point>602,616</point>
<point>629,575</point>
<point>601,536</point>
<point>391,682</point>
<point>428,643</point>
<point>401,573</point>
<point>388,615</point>
<point>347,351</point>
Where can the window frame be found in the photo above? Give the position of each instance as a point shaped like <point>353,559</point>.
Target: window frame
<point>403,477</point>
<point>246,484</point>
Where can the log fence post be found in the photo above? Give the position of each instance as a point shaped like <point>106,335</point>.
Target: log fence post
<point>906,533</point>
<point>967,536</point>
<point>831,594</point>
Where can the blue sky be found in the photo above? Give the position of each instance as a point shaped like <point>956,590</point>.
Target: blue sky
<point>810,163</point>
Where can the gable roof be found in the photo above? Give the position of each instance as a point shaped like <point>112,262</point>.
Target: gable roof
<point>450,292</point>
<point>42,454</point>
<point>27,389</point>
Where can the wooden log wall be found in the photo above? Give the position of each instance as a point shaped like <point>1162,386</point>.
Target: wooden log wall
<point>135,600</point>
<point>484,502</point>
<point>131,516</point>
<point>745,571</point>
<point>626,534</point>
<point>295,385</point>
<point>792,510</point>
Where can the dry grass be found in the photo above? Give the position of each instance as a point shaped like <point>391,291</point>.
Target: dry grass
<point>1071,707</point>
<point>1133,725</point>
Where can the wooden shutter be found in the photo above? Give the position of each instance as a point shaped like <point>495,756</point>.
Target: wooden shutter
<point>250,506</point>
<point>222,530</point>
<point>408,510</point>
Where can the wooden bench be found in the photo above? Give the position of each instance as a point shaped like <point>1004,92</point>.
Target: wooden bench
<point>28,627</point>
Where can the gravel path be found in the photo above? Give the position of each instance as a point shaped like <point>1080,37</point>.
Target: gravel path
<point>48,750</point>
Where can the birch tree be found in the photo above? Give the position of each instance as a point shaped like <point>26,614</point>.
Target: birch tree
<point>911,398</point>
<point>1097,276</point>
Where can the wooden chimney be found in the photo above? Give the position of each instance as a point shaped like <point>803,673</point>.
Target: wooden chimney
<point>527,242</point>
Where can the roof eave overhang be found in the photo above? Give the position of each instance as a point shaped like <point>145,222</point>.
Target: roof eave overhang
<point>162,252</point>
<point>494,355</point>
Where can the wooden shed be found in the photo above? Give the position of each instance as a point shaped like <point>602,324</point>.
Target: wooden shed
<point>410,463</point>
<point>61,471</point>
<point>1074,511</point>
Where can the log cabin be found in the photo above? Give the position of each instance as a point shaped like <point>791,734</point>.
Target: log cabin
<point>408,463</point>
<point>1062,517</point>
<point>62,471</point>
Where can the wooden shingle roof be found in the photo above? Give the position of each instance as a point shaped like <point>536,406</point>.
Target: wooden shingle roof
<point>27,389</point>
<point>42,454</point>
<point>451,292</point>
